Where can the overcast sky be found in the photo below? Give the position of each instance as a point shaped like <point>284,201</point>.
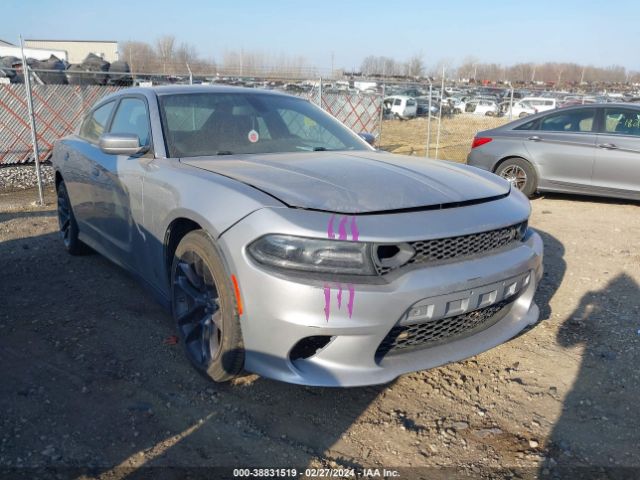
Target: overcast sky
<point>507,32</point>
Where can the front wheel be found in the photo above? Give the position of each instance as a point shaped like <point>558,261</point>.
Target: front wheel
<point>204,308</point>
<point>520,174</point>
<point>67,223</point>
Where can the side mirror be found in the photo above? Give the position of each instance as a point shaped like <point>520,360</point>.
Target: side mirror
<point>368,137</point>
<point>121,144</point>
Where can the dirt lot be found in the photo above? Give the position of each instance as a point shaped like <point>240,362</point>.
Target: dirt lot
<point>87,380</point>
<point>409,137</point>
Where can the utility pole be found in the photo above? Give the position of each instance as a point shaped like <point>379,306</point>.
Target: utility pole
<point>332,58</point>
<point>440,114</point>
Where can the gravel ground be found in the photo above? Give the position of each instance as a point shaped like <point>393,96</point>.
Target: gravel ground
<point>21,177</point>
<point>88,380</point>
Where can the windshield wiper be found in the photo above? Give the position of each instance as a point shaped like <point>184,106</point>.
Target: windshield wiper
<point>224,152</point>
<point>321,149</point>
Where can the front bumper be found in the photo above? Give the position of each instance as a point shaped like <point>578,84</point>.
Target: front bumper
<point>279,310</point>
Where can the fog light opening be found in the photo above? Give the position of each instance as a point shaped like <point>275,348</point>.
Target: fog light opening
<point>309,346</point>
<point>387,251</point>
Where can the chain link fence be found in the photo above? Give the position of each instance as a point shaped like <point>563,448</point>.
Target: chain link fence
<point>57,111</point>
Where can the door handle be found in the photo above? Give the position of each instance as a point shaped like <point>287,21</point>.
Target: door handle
<point>534,138</point>
<point>608,146</point>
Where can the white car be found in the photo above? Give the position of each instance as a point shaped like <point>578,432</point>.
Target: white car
<point>457,105</point>
<point>482,107</point>
<point>541,104</point>
<point>401,106</point>
<point>520,109</point>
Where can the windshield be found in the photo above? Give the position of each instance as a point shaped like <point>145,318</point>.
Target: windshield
<point>198,124</point>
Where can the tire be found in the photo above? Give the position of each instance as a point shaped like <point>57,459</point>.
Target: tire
<point>520,173</point>
<point>204,308</point>
<point>67,223</point>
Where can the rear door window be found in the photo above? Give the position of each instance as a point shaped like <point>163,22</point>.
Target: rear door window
<point>569,121</point>
<point>530,125</point>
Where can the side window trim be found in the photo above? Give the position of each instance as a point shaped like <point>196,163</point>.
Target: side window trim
<point>598,127</point>
<point>146,106</point>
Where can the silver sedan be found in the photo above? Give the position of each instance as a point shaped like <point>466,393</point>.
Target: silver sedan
<point>586,149</point>
<point>284,244</point>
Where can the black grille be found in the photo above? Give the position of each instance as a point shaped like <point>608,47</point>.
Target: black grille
<point>442,249</point>
<point>420,335</point>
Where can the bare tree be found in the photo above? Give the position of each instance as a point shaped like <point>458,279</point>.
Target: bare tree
<point>139,55</point>
<point>415,65</point>
<point>165,46</point>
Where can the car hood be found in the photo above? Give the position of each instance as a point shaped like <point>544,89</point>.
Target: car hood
<point>357,182</point>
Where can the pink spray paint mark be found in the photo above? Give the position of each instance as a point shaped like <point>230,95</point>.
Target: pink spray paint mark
<point>342,228</point>
<point>354,230</point>
<point>352,294</point>
<point>327,300</point>
<point>342,235</point>
<point>330,232</point>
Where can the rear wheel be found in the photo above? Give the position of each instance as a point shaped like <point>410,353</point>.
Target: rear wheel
<point>67,223</point>
<point>520,173</point>
<point>204,308</point>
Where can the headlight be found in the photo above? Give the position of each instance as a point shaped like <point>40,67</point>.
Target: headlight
<point>313,255</point>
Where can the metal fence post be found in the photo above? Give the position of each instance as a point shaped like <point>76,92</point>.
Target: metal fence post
<point>32,121</point>
<point>381,114</point>
<point>511,104</point>
<point>320,93</point>
<point>190,75</point>
<point>429,119</point>
<point>440,115</point>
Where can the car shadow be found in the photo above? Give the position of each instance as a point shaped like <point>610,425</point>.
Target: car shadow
<point>555,268</point>
<point>591,439</point>
<point>585,198</point>
<point>6,216</point>
<point>93,382</point>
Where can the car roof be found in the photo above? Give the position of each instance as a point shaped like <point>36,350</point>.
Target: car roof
<point>188,89</point>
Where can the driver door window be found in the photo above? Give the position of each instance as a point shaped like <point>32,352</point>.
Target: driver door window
<point>132,117</point>
<point>95,123</point>
<point>620,121</point>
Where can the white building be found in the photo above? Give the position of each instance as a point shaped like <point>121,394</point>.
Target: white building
<point>9,50</point>
<point>77,50</point>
